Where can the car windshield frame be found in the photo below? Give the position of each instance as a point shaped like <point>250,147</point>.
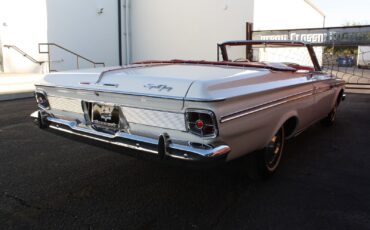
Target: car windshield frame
<point>266,43</point>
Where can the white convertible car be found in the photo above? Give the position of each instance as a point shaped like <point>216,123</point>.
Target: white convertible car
<point>260,94</point>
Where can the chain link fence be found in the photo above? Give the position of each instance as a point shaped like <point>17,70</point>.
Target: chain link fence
<point>347,67</point>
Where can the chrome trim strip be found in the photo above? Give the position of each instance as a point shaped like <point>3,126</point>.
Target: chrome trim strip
<point>340,84</point>
<point>136,94</point>
<point>267,105</point>
<point>178,151</point>
<point>204,99</point>
<point>106,141</point>
<point>101,76</point>
<point>112,91</point>
<point>322,89</point>
<point>208,153</point>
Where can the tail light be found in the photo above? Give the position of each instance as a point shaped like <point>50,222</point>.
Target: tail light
<point>201,122</point>
<point>42,100</point>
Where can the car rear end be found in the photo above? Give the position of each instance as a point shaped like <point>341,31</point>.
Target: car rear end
<point>151,123</point>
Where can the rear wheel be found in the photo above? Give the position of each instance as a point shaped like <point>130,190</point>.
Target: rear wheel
<point>330,119</point>
<point>268,158</point>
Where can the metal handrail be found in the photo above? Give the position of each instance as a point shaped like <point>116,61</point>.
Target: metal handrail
<point>78,57</point>
<point>24,54</point>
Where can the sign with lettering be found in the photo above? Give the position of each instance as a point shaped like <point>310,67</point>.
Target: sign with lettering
<point>338,36</point>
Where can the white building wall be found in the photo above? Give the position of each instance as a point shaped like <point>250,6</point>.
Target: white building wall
<point>82,27</point>
<point>288,14</point>
<point>285,14</point>
<point>160,29</point>
<point>169,29</point>
<point>23,24</point>
<point>363,56</point>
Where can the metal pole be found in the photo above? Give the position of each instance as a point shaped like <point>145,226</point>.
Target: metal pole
<point>249,36</point>
<point>119,33</point>
<point>323,24</point>
<point>218,52</point>
<point>49,62</point>
<point>1,57</point>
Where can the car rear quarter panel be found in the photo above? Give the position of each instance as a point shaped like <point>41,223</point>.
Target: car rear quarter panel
<point>251,132</point>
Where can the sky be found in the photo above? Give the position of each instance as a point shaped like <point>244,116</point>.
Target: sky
<point>341,12</point>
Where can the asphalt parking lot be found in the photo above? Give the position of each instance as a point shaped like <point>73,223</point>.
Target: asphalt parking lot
<point>49,182</point>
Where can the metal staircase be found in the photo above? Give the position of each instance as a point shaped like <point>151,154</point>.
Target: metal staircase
<point>78,57</point>
<point>24,54</point>
<point>49,61</point>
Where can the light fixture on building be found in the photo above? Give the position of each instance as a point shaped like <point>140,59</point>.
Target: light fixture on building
<point>100,11</point>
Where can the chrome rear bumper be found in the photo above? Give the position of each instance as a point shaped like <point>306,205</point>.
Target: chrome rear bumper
<point>163,147</point>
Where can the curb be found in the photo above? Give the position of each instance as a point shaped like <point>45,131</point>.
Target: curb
<point>14,96</point>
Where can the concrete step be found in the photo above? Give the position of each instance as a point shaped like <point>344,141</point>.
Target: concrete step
<point>358,88</point>
<point>16,86</point>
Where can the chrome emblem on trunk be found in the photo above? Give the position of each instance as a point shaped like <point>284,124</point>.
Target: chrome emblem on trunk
<point>160,88</point>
